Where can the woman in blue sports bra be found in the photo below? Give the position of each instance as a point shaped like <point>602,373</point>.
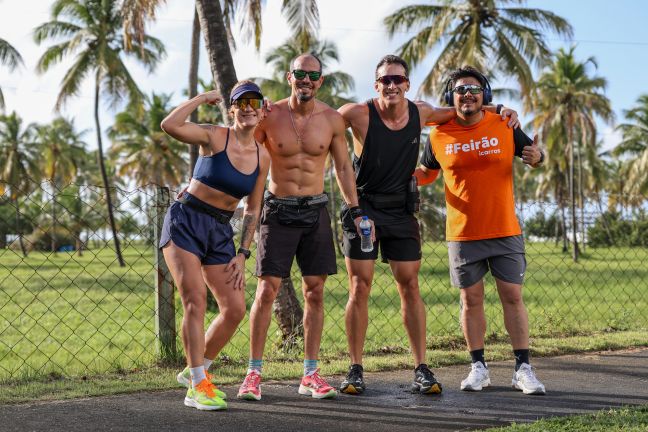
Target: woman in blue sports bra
<point>197,238</point>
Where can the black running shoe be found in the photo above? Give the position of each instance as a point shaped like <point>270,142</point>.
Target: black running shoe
<point>424,381</point>
<point>354,383</point>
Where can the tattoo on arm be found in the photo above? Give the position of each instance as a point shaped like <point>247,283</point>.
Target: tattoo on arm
<point>247,231</point>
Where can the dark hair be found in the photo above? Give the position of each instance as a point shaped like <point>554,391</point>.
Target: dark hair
<point>392,59</point>
<point>465,72</point>
<point>310,54</point>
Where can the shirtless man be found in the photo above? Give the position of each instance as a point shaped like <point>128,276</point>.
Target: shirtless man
<point>299,134</point>
<point>386,133</point>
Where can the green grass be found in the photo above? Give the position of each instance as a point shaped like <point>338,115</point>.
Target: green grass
<point>70,316</point>
<point>631,419</point>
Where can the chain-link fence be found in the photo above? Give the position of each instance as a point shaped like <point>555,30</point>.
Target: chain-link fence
<point>68,307</point>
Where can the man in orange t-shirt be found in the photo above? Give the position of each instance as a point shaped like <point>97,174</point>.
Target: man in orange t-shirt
<point>475,152</point>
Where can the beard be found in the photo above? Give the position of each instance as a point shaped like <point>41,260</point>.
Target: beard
<point>470,111</point>
<point>304,97</point>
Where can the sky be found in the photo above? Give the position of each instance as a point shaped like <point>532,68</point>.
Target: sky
<point>614,33</point>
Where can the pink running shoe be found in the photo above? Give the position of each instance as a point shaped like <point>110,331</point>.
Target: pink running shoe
<point>251,387</point>
<point>317,387</point>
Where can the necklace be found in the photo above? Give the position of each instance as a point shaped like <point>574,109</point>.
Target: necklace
<point>292,121</point>
<point>239,142</point>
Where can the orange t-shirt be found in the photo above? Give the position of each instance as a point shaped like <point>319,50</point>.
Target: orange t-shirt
<point>477,163</point>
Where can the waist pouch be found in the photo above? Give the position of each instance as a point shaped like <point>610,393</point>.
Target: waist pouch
<point>384,201</point>
<point>298,212</point>
<point>190,201</point>
<point>412,197</point>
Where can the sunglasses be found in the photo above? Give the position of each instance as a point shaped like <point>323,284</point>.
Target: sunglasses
<point>300,74</point>
<point>396,79</point>
<point>244,102</point>
<point>472,88</point>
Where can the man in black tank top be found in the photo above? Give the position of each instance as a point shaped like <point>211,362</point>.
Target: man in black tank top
<point>386,134</point>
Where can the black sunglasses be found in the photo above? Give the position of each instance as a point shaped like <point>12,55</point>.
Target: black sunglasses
<point>244,102</point>
<point>396,79</point>
<point>300,74</point>
<point>472,88</point>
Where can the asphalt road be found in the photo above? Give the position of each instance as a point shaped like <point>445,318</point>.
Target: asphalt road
<point>575,384</point>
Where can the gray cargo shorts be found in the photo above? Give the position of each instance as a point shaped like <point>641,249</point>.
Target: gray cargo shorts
<point>471,260</point>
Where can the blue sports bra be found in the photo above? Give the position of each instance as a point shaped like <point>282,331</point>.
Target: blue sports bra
<point>217,171</point>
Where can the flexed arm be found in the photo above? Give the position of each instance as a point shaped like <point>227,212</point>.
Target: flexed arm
<point>175,123</point>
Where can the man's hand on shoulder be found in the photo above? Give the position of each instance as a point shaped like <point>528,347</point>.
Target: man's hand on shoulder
<point>512,115</point>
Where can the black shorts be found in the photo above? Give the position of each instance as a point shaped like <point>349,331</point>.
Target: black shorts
<point>397,241</point>
<point>198,233</point>
<point>278,244</point>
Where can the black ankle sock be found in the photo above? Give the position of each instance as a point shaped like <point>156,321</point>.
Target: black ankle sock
<point>521,356</point>
<point>478,355</point>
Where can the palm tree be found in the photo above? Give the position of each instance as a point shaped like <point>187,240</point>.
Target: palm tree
<point>565,101</point>
<point>142,150</point>
<point>62,151</point>
<point>92,32</point>
<point>487,34</point>
<point>18,167</point>
<point>215,23</point>
<point>11,57</point>
<point>635,145</point>
<point>336,84</point>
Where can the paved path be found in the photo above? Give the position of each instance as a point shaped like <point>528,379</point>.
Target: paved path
<point>575,384</point>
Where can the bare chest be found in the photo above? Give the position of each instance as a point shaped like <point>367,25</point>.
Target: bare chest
<point>288,137</point>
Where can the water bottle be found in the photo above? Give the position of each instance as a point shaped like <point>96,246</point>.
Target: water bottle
<point>366,245</point>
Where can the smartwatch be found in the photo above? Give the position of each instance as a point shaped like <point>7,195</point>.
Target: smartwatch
<point>246,252</point>
<point>356,212</point>
<point>498,109</point>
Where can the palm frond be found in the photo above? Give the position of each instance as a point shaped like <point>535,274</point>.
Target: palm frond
<point>9,56</point>
<point>74,77</point>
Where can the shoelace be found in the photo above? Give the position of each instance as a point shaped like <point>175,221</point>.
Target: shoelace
<point>355,374</point>
<point>528,376</point>
<point>252,380</point>
<point>206,387</point>
<point>427,374</point>
<point>319,381</point>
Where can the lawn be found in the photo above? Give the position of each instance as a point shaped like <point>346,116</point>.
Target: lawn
<point>65,315</point>
<point>631,419</point>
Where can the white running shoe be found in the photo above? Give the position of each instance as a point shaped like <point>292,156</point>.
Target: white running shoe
<point>479,377</point>
<point>524,379</point>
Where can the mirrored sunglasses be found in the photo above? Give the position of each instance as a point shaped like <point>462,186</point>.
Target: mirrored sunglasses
<point>472,88</point>
<point>244,102</point>
<point>300,74</point>
<point>396,79</point>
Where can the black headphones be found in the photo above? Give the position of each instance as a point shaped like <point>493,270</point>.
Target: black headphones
<point>488,93</point>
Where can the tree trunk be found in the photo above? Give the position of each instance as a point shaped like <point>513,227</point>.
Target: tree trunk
<point>572,198</point>
<point>193,84</point>
<point>289,314</point>
<point>18,230</point>
<point>563,220</point>
<point>218,49</point>
<point>53,229</point>
<point>104,176</point>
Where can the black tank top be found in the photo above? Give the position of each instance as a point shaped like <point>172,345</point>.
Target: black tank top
<point>388,160</point>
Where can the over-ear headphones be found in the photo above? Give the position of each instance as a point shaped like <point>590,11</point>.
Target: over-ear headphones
<point>488,93</point>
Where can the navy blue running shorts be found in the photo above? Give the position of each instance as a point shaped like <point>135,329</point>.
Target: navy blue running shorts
<point>199,233</point>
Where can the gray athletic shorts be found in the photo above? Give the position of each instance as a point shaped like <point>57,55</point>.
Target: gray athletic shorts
<point>470,260</point>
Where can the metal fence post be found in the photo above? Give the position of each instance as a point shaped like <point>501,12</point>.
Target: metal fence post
<point>165,330</point>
